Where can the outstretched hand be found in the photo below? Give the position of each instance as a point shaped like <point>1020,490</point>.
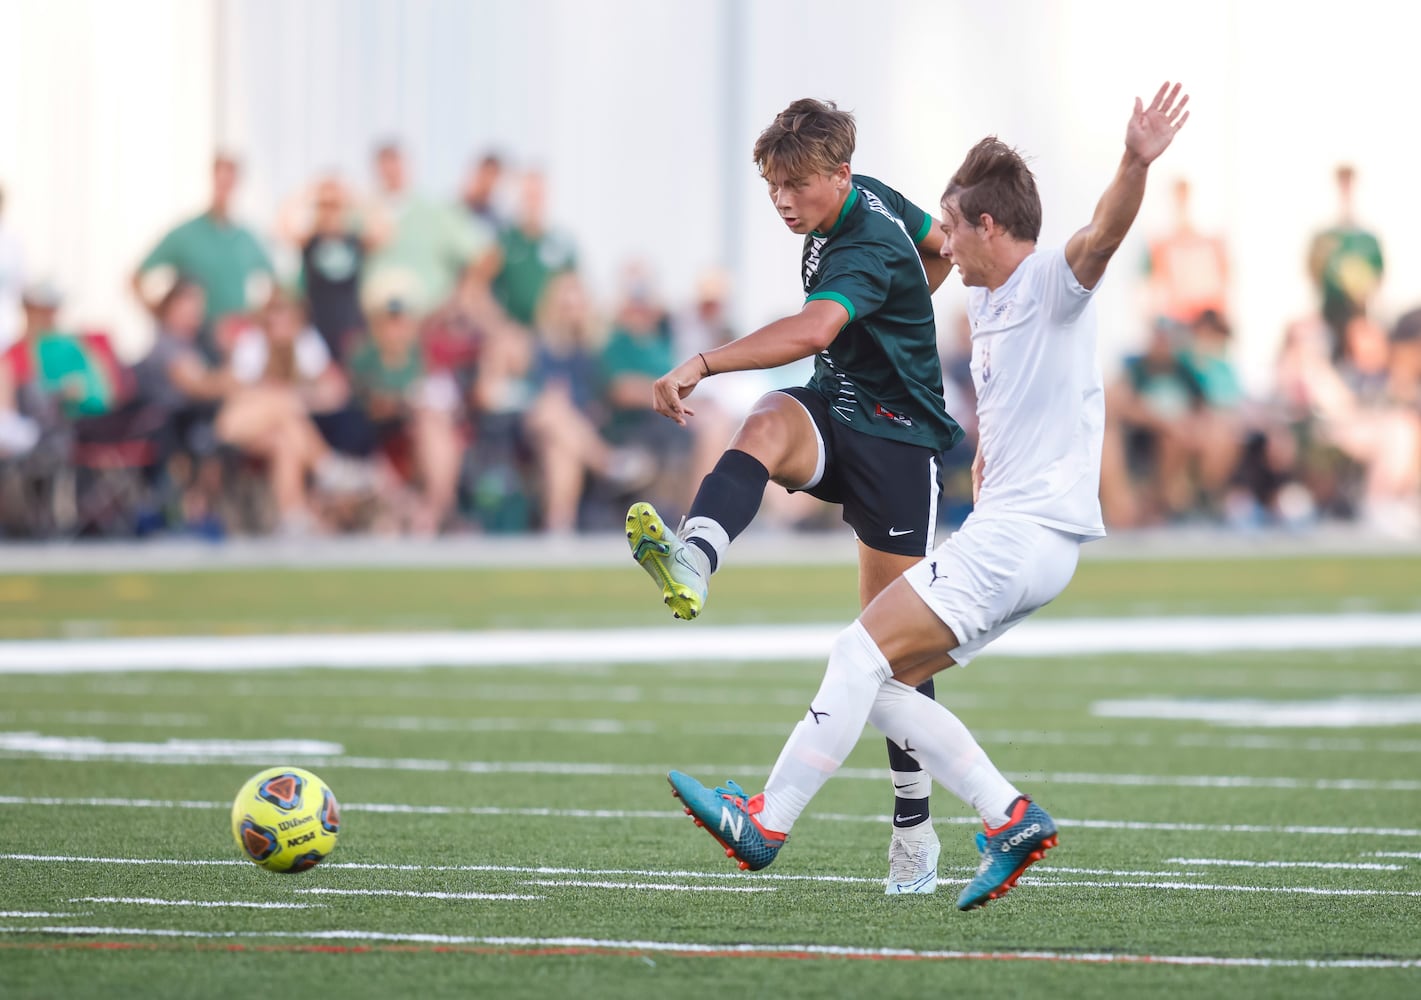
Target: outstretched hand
<point>1152,128</point>
<point>668,391</point>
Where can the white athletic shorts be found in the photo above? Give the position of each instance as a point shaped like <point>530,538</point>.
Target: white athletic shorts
<point>990,574</point>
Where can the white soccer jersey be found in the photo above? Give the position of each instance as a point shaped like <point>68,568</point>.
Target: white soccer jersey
<point>1040,401</point>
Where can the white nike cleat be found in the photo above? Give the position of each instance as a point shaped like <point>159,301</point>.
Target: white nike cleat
<point>682,571</point>
<point>912,860</point>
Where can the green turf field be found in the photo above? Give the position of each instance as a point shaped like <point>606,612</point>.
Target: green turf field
<point>1270,860</point>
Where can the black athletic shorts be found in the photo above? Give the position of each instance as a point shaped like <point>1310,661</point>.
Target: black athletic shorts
<point>889,489</point>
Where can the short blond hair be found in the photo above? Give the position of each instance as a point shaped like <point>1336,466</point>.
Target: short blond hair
<point>808,137</point>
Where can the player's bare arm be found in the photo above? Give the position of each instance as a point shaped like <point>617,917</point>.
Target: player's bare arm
<point>802,335</point>
<point>1148,134</point>
<point>936,264</point>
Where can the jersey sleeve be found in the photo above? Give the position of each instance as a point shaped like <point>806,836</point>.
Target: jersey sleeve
<point>855,277</point>
<point>917,222</point>
<point>1058,287</point>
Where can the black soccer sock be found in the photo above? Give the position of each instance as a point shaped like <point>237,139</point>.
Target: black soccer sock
<point>911,783</point>
<point>730,496</point>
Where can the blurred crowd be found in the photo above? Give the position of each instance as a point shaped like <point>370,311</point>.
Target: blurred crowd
<point>438,365</point>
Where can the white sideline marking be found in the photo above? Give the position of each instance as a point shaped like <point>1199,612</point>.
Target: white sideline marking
<point>59,748</point>
<point>881,818</point>
<point>1396,854</point>
<point>690,948</point>
<point>1335,865</point>
<point>419,895</point>
<point>1036,638</point>
<point>208,903</point>
<point>1335,713</point>
<point>669,886</point>
<point>1204,887</point>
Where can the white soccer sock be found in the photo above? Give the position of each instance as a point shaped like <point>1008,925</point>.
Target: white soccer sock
<point>947,751</point>
<point>911,784</point>
<point>708,530</point>
<point>825,736</point>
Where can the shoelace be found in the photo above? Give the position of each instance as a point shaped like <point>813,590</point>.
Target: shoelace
<point>732,791</point>
<point>903,861</point>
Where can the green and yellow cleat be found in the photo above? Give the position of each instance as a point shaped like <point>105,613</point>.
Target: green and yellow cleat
<point>681,570</point>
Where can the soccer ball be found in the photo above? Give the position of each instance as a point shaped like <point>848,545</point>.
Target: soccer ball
<point>285,819</point>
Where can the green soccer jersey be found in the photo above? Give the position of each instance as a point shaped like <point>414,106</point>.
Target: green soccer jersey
<point>881,375</point>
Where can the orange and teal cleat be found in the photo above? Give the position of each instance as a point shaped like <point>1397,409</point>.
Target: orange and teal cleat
<point>1008,851</point>
<point>729,816</point>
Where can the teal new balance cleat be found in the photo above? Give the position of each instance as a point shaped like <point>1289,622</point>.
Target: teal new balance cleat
<point>1008,851</point>
<point>729,816</point>
<point>682,571</point>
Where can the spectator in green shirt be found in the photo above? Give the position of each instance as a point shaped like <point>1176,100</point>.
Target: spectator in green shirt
<point>1345,262</point>
<point>414,413</point>
<point>430,243</point>
<point>60,367</point>
<point>532,253</point>
<point>220,254</point>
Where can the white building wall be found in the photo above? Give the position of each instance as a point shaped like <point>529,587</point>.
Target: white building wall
<point>643,113</point>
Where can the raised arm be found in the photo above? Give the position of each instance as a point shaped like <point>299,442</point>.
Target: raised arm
<point>1148,134</point>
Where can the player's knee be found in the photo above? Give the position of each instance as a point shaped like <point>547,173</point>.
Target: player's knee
<point>767,433</point>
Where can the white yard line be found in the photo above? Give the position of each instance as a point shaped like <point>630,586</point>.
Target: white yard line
<point>1397,854</point>
<point>612,727</point>
<point>1206,887</point>
<point>654,886</point>
<point>1343,712</point>
<point>35,743</point>
<point>411,894</point>
<point>676,814</point>
<point>216,904</point>
<point>39,913</point>
<point>1035,638</point>
<point>1330,865</point>
<point>602,874</point>
<point>731,950</point>
<point>24,746</point>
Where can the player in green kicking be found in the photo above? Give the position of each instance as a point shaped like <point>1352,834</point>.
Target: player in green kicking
<point>865,433</point>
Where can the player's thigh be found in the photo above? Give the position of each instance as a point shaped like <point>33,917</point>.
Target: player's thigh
<point>782,435</point>
<point>990,575</point>
<point>877,569</point>
<point>912,636</point>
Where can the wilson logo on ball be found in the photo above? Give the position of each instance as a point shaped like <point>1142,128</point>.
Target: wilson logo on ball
<point>283,791</point>
<point>259,842</point>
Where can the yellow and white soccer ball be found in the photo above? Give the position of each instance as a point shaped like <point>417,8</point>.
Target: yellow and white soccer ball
<point>286,820</point>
